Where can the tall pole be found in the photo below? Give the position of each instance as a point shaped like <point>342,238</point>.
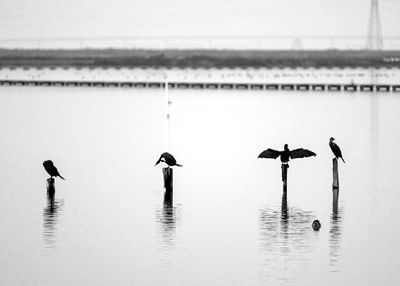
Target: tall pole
<point>335,183</point>
<point>167,172</point>
<point>374,38</point>
<point>166,147</point>
<point>284,176</point>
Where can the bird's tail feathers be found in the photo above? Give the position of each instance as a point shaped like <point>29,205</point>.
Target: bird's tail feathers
<point>61,177</point>
<point>342,160</point>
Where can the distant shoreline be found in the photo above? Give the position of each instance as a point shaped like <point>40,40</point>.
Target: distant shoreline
<point>119,58</point>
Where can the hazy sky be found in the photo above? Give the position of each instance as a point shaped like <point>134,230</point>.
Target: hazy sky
<point>114,18</point>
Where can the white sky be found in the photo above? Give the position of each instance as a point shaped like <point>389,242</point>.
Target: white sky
<point>129,18</point>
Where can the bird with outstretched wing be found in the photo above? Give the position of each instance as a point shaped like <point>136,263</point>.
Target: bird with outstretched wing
<point>286,154</point>
<point>301,153</point>
<point>270,153</point>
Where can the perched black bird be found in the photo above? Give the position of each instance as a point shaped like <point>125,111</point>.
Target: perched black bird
<point>286,154</point>
<point>51,169</point>
<point>168,159</point>
<point>335,149</point>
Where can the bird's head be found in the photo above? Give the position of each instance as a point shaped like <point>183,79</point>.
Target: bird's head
<point>48,163</point>
<point>331,139</point>
<point>286,146</point>
<point>159,160</point>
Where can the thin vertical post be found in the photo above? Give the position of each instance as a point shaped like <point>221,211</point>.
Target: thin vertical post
<point>284,175</point>
<point>168,180</point>
<point>335,170</point>
<point>335,203</point>
<point>284,206</point>
<point>166,116</point>
<point>50,186</point>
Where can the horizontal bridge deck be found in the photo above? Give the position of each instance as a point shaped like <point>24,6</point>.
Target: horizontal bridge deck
<point>210,85</point>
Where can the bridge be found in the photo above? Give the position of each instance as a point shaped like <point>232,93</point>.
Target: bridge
<point>328,79</point>
<point>227,86</point>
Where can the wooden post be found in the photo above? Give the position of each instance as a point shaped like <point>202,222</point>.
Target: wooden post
<point>168,199</point>
<point>335,183</point>
<point>50,186</point>
<point>168,180</point>
<point>284,206</point>
<point>335,203</point>
<point>284,175</point>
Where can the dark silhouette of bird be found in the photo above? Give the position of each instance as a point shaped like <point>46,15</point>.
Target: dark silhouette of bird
<point>335,149</point>
<point>51,169</point>
<point>168,159</point>
<point>316,225</point>
<point>286,154</point>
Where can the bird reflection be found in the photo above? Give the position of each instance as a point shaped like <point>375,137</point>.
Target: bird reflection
<point>50,217</point>
<point>167,218</point>
<point>335,231</point>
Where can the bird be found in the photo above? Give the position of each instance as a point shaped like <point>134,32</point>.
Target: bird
<point>286,154</point>
<point>316,225</point>
<point>168,159</point>
<point>335,149</point>
<point>51,169</point>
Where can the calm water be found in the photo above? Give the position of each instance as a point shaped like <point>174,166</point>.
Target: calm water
<point>228,223</point>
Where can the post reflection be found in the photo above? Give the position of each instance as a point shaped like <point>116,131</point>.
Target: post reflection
<point>284,221</point>
<point>50,218</point>
<point>335,231</point>
<point>286,235</point>
<point>168,217</point>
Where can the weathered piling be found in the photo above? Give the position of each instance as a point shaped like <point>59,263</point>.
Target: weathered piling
<point>284,175</point>
<point>284,206</point>
<point>168,180</point>
<point>50,186</point>
<point>335,203</point>
<point>335,170</point>
<point>168,199</point>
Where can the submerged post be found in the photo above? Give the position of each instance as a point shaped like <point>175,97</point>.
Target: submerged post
<point>284,206</point>
<point>168,180</point>
<point>335,202</point>
<point>284,175</point>
<point>335,183</point>
<point>50,186</point>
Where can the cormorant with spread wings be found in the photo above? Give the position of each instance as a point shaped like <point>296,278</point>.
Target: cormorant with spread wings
<point>286,154</point>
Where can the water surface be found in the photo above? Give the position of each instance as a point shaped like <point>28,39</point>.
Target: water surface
<point>228,222</point>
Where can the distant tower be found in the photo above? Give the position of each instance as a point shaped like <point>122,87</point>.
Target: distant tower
<point>374,40</point>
